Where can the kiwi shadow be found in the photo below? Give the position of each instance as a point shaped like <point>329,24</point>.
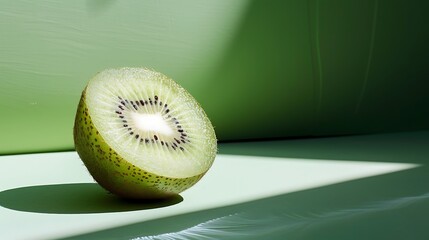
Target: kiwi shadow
<point>75,198</point>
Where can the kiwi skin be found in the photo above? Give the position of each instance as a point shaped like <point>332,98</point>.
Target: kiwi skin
<point>113,172</point>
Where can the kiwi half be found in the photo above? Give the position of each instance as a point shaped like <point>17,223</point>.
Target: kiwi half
<point>141,135</point>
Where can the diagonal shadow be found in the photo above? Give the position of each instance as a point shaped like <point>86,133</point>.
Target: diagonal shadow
<point>74,198</point>
<point>391,206</point>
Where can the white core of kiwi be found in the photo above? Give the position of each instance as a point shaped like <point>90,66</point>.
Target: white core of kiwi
<point>151,121</point>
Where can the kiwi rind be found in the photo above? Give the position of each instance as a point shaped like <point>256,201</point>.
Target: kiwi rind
<point>113,172</point>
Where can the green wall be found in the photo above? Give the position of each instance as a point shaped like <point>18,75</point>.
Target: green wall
<point>260,69</point>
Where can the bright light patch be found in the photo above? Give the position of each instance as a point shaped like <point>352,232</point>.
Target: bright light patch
<point>151,122</point>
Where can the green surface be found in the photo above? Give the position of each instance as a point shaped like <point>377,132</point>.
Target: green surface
<point>394,206</point>
<point>389,147</point>
<point>360,187</point>
<point>284,69</point>
<point>388,206</point>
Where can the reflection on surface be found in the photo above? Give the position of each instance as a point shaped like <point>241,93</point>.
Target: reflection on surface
<point>251,224</point>
<point>73,199</point>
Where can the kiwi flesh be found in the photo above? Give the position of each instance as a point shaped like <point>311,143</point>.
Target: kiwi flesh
<point>141,135</point>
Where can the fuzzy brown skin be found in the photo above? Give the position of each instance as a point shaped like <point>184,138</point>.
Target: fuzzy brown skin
<point>114,173</point>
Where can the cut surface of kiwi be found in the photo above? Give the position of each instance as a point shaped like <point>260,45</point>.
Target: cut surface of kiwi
<point>141,135</point>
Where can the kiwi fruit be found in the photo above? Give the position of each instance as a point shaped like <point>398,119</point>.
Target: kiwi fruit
<point>141,135</point>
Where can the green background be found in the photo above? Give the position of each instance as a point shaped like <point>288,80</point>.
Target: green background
<point>260,69</point>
